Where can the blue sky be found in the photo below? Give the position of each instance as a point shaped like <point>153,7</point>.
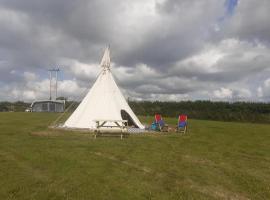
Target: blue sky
<point>231,6</point>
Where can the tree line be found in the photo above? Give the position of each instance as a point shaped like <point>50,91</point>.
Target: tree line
<point>18,106</point>
<point>220,111</point>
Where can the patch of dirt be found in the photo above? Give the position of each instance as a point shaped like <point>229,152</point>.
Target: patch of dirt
<point>198,160</point>
<point>59,133</point>
<point>217,192</point>
<point>46,133</point>
<point>127,163</point>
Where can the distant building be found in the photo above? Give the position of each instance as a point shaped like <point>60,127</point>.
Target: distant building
<point>48,106</point>
<point>57,105</point>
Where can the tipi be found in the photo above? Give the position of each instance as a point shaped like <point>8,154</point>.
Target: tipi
<point>104,101</point>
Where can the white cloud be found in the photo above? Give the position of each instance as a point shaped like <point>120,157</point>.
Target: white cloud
<point>81,70</point>
<point>29,76</point>
<point>140,73</point>
<point>229,55</point>
<point>267,83</point>
<point>263,91</point>
<point>71,90</point>
<point>260,92</point>
<point>242,94</point>
<point>205,61</point>
<point>223,93</point>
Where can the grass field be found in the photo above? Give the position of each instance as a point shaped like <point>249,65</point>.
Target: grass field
<point>216,160</point>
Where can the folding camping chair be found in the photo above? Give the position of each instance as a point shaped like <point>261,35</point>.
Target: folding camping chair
<point>160,124</point>
<point>182,124</point>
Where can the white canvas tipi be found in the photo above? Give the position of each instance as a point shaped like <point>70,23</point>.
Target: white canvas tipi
<point>104,101</point>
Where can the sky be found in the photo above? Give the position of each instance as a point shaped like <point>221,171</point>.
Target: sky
<point>165,50</point>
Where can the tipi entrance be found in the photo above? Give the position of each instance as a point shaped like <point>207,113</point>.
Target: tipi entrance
<point>126,116</point>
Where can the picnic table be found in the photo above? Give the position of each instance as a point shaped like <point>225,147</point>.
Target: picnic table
<point>111,126</point>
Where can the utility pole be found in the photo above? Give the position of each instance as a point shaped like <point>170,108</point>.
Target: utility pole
<point>50,71</point>
<point>56,79</point>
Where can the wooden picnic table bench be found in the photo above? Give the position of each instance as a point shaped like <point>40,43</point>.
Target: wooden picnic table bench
<point>111,126</point>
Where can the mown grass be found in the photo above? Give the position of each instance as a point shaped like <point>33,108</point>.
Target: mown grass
<point>216,160</point>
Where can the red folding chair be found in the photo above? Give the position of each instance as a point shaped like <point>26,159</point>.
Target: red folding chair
<point>160,123</point>
<point>182,124</point>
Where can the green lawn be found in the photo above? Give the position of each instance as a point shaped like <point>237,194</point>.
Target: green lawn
<point>217,160</point>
